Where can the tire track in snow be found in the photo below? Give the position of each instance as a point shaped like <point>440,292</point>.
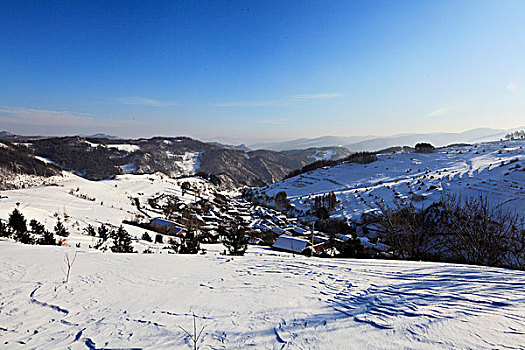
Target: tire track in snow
<point>43,303</point>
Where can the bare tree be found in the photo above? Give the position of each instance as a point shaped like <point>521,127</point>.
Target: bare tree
<point>194,337</point>
<point>69,263</point>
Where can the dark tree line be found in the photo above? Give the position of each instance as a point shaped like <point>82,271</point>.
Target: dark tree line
<point>36,233</point>
<point>358,157</point>
<point>452,230</point>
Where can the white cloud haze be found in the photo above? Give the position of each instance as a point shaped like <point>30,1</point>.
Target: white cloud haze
<point>30,116</point>
<point>440,111</point>
<point>283,101</point>
<point>142,101</point>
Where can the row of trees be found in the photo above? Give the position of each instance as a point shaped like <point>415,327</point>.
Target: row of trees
<point>516,135</point>
<point>452,230</point>
<point>122,241</point>
<point>358,157</point>
<point>233,236</point>
<point>36,233</point>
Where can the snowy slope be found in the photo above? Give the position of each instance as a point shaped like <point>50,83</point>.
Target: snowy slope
<point>263,300</point>
<point>466,170</point>
<point>81,202</point>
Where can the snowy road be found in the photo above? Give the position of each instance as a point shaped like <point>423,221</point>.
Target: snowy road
<point>263,300</point>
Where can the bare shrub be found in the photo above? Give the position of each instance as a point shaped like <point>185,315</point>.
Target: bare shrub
<point>69,263</point>
<point>452,230</point>
<point>195,336</point>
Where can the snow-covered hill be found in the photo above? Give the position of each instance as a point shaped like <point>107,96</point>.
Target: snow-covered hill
<point>262,301</point>
<point>80,202</point>
<point>495,170</point>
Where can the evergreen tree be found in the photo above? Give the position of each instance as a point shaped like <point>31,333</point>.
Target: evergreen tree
<point>146,237</point>
<point>234,241</point>
<point>24,237</point>
<point>103,232</point>
<point>281,200</point>
<point>322,213</point>
<point>48,238</point>
<point>4,232</point>
<point>90,230</point>
<point>60,229</point>
<point>17,222</point>
<point>121,241</point>
<point>36,227</point>
<point>190,244</point>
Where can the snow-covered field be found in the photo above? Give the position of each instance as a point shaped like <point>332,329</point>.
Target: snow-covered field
<point>262,300</point>
<point>463,170</point>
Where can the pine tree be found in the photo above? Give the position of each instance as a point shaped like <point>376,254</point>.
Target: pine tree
<point>234,241</point>
<point>121,241</point>
<point>103,232</point>
<point>17,221</point>
<point>90,230</point>
<point>4,232</point>
<point>146,237</point>
<point>60,229</point>
<point>48,238</point>
<point>36,227</point>
<point>24,237</point>
<point>189,244</point>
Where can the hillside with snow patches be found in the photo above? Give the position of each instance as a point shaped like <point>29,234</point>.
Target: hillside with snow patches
<point>495,170</point>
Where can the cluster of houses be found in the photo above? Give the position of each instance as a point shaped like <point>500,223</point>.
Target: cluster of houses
<point>263,226</point>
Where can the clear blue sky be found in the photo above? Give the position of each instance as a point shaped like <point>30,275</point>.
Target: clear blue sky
<point>260,70</point>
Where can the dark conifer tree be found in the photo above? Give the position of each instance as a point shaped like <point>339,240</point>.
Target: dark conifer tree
<point>121,241</point>
<point>4,232</point>
<point>17,222</point>
<point>146,237</point>
<point>90,230</point>
<point>60,229</point>
<point>234,240</point>
<point>103,232</point>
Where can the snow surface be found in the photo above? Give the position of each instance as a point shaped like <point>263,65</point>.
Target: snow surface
<point>467,171</point>
<point>121,147</point>
<point>45,160</point>
<point>263,300</point>
<point>187,163</point>
<point>128,168</point>
<point>125,147</point>
<point>324,154</point>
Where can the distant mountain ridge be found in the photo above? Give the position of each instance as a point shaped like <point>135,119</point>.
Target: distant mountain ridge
<point>374,143</point>
<point>97,158</point>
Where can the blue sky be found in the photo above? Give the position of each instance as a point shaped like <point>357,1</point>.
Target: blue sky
<point>259,70</point>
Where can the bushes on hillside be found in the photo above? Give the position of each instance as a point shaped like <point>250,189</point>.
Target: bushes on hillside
<point>452,230</point>
<point>425,148</point>
<point>361,158</point>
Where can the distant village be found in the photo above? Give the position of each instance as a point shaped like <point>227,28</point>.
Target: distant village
<point>212,211</point>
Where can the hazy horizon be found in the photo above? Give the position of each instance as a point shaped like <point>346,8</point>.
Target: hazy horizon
<point>261,71</point>
<point>255,142</point>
